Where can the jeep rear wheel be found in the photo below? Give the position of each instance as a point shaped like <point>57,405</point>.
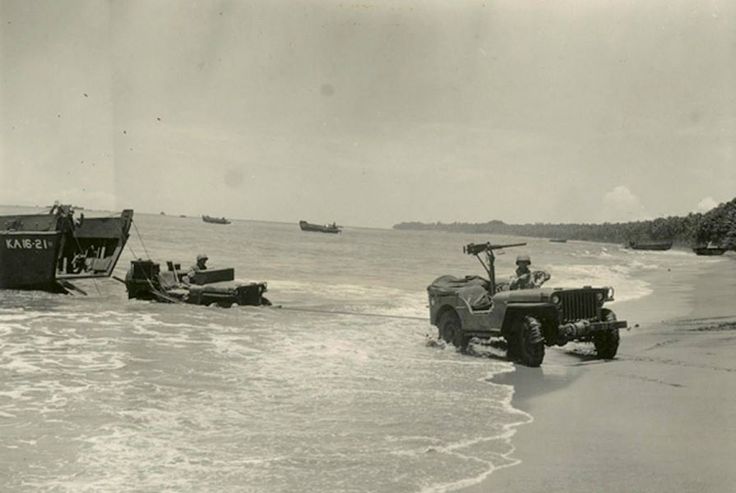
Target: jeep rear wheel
<point>606,342</point>
<point>528,342</point>
<point>451,330</point>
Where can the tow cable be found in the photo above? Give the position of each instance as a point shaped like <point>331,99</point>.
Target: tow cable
<point>340,312</point>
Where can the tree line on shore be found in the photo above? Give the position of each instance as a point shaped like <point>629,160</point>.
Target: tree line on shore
<point>717,227</point>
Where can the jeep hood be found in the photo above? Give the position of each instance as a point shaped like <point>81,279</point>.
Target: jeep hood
<point>536,295</point>
<point>525,295</point>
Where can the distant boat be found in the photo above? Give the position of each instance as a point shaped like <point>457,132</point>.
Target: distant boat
<point>162,213</point>
<point>182,215</point>
<point>558,240</point>
<point>709,250</point>
<point>651,245</point>
<point>215,220</point>
<point>319,228</point>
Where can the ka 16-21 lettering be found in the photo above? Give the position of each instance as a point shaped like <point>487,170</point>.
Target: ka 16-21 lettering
<point>27,244</point>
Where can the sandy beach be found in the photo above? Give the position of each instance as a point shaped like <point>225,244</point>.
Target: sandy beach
<point>660,417</point>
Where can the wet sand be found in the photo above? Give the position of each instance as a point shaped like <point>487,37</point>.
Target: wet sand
<point>660,417</point>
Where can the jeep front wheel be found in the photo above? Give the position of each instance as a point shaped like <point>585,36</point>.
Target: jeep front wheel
<point>529,343</point>
<point>606,343</point>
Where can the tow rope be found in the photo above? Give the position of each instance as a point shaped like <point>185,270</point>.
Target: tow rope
<point>340,312</point>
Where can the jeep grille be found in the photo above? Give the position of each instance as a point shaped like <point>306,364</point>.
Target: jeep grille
<point>577,305</point>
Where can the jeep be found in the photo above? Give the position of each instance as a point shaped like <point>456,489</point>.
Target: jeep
<point>477,309</point>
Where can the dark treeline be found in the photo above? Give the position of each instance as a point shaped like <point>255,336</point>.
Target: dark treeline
<point>717,226</point>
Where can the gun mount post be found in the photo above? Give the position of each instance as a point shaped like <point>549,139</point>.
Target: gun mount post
<point>491,258</point>
<point>489,265</point>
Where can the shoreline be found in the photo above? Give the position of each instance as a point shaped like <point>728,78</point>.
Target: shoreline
<point>654,419</point>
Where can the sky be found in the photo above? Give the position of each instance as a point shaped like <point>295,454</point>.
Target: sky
<point>371,112</point>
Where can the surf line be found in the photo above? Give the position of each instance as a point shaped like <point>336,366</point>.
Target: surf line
<point>338,312</point>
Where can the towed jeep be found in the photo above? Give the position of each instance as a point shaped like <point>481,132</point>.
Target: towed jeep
<point>477,309</point>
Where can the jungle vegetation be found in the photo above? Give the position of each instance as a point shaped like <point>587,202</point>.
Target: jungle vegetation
<point>717,226</point>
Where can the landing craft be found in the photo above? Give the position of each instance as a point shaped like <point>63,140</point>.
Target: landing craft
<point>47,251</point>
<point>319,228</point>
<point>651,245</point>
<point>215,220</point>
<point>709,250</point>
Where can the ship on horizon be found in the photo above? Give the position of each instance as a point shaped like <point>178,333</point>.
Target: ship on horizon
<point>319,228</point>
<point>215,220</point>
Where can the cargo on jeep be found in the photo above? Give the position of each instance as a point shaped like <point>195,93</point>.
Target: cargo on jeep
<point>528,319</point>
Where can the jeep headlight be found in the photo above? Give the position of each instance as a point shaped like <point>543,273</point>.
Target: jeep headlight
<point>555,299</point>
<point>609,294</point>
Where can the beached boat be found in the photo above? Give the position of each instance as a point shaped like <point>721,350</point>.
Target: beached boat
<point>319,228</point>
<point>709,250</point>
<point>47,251</point>
<point>650,245</point>
<point>215,220</point>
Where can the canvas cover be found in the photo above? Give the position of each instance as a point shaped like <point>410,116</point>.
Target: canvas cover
<point>472,289</point>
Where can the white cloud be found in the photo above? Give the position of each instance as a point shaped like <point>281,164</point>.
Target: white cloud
<point>621,204</point>
<point>707,204</point>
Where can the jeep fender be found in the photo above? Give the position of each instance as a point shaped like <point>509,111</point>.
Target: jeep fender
<point>544,312</point>
<point>442,311</point>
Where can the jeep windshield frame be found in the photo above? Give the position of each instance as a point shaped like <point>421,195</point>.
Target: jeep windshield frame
<point>489,266</point>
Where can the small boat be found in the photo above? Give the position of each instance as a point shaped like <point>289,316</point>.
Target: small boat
<point>182,215</point>
<point>558,240</point>
<point>319,228</point>
<point>215,220</point>
<point>709,250</point>
<point>651,245</point>
<point>46,252</point>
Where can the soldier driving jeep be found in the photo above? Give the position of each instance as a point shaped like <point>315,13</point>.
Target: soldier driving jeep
<point>525,278</point>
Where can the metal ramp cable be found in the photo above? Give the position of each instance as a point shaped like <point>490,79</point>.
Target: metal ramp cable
<point>140,238</point>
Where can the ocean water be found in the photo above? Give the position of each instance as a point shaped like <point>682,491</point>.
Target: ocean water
<point>99,393</point>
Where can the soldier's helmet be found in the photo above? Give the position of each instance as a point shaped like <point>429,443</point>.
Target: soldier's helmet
<point>523,259</point>
<point>202,256</point>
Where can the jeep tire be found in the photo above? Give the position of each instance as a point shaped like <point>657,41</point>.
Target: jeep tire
<point>526,352</point>
<point>606,342</point>
<point>451,330</point>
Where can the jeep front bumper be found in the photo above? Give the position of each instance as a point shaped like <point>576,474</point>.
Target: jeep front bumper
<point>584,329</point>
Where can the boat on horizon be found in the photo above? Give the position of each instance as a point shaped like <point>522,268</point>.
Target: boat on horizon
<point>215,220</point>
<point>319,228</point>
<point>47,251</point>
<point>558,240</point>
<point>650,245</point>
<point>709,250</point>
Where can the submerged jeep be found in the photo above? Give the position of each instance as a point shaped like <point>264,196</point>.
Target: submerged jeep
<point>528,319</point>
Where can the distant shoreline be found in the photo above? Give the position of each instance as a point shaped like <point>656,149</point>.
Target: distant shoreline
<point>717,226</point>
